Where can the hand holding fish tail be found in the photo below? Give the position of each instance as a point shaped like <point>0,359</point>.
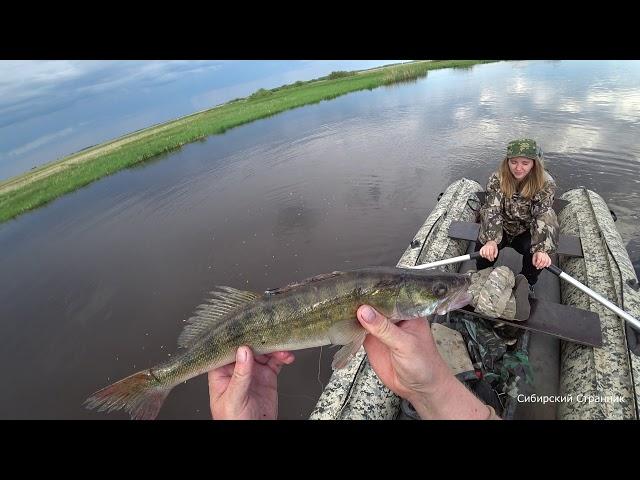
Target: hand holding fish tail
<point>248,388</point>
<point>407,361</point>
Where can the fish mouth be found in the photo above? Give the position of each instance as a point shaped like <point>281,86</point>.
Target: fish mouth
<point>460,300</point>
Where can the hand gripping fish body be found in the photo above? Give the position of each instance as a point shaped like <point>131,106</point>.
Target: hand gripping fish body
<point>317,311</point>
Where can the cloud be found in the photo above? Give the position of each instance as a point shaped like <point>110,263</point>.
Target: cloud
<point>487,96</point>
<point>571,137</point>
<point>463,113</point>
<point>40,141</point>
<point>31,88</point>
<point>570,106</point>
<point>22,81</point>
<point>520,86</point>
<point>624,104</point>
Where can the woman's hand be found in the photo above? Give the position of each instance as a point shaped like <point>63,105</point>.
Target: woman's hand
<point>541,260</point>
<point>489,250</point>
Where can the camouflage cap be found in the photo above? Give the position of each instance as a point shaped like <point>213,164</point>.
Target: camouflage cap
<point>524,147</point>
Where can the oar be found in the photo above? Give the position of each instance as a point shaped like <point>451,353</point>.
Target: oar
<point>596,296</point>
<point>461,258</point>
<point>556,271</point>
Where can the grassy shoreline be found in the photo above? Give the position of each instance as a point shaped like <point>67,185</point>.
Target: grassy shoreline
<point>43,184</point>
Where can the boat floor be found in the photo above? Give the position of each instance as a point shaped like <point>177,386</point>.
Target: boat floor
<point>544,350</point>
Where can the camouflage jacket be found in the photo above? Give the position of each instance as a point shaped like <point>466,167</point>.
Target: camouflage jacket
<point>516,214</point>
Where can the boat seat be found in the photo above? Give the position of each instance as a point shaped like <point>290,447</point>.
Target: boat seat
<point>563,321</point>
<point>568,244</point>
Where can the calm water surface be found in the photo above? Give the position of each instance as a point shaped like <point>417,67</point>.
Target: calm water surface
<point>96,285</point>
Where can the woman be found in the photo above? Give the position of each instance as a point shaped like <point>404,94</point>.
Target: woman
<point>518,211</point>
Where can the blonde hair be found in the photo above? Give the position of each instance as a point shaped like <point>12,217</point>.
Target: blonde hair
<point>528,186</point>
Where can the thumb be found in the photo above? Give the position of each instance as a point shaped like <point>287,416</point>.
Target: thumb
<point>240,381</point>
<point>379,326</point>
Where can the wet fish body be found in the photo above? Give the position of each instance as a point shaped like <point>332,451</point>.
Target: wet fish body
<point>317,311</point>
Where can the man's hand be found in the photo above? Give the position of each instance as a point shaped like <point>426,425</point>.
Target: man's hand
<point>248,388</point>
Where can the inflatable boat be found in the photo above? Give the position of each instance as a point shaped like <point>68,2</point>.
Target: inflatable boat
<point>572,359</point>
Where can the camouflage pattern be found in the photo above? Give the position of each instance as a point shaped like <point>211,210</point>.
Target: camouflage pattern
<point>503,369</point>
<point>516,215</point>
<point>524,147</point>
<point>607,376</point>
<point>492,292</point>
<point>459,202</point>
<point>485,345</point>
<point>356,392</point>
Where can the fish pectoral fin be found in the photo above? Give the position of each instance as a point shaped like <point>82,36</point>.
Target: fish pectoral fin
<point>351,335</point>
<point>222,302</point>
<point>342,356</point>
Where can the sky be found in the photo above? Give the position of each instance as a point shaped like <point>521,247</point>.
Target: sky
<point>52,108</point>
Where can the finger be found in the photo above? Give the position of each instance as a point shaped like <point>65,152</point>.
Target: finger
<point>280,359</point>
<point>240,382</point>
<point>219,377</point>
<point>221,373</point>
<point>414,324</point>
<point>285,357</point>
<point>264,359</point>
<point>218,380</point>
<point>380,327</point>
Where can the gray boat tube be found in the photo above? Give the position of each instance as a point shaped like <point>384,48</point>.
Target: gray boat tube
<point>355,392</point>
<point>599,383</point>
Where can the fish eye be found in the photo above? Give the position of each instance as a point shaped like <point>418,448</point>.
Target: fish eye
<point>439,289</point>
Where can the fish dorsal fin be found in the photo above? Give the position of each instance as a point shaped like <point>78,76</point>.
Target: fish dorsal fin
<point>306,281</point>
<point>222,302</point>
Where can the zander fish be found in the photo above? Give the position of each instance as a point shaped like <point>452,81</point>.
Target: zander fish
<point>317,311</point>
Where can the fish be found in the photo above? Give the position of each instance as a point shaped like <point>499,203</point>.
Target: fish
<point>317,311</point>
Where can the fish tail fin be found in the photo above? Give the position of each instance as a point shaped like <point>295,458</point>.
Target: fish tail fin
<point>140,394</point>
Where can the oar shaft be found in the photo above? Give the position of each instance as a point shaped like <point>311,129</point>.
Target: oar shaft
<point>439,263</point>
<point>596,296</point>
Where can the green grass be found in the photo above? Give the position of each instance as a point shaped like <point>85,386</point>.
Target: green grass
<point>44,184</point>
